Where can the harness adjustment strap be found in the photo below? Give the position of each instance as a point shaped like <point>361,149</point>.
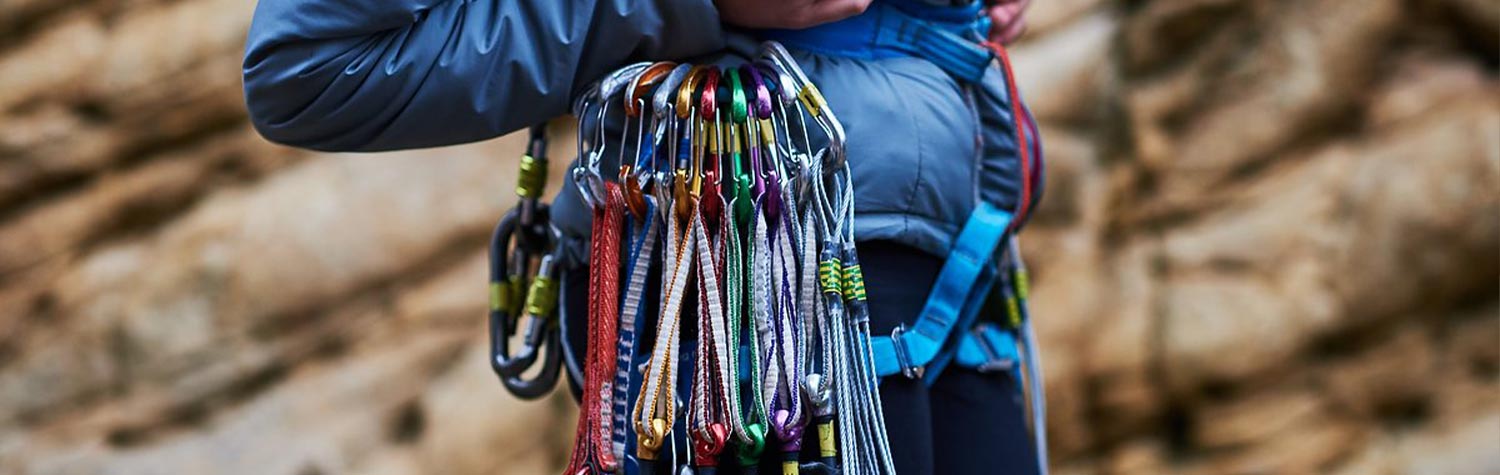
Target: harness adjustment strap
<point>907,349</point>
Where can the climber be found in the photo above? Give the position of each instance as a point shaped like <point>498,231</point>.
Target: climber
<point>935,133</point>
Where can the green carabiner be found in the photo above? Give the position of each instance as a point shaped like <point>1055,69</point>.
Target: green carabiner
<point>741,107</point>
<point>744,200</point>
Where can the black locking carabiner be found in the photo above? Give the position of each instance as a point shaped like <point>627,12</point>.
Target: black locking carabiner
<point>524,240</point>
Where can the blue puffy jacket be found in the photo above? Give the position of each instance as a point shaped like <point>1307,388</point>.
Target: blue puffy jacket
<point>367,75</point>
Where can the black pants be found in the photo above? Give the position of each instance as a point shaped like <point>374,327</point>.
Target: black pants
<point>966,423</point>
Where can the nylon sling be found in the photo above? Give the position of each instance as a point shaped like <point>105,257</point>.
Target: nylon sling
<point>592,449</point>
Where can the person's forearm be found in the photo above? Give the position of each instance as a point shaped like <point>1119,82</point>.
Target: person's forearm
<point>363,75</point>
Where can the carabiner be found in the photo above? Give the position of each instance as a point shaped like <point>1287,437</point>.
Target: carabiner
<point>630,175</point>
<point>591,152</point>
<point>511,295</point>
<point>767,183</point>
<point>524,236</point>
<point>813,99</point>
<point>642,84</point>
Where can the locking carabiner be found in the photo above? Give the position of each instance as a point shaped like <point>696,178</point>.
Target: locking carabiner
<point>525,237</point>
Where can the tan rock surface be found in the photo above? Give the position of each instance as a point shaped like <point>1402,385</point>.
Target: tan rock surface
<point>1271,244</point>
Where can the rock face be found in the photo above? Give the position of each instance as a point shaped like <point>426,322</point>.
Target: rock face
<point>1271,244</point>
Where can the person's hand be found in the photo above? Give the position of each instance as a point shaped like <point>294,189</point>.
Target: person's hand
<point>1007,19</point>
<point>787,14</point>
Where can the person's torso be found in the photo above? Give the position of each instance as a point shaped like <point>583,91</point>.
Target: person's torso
<point>923,146</point>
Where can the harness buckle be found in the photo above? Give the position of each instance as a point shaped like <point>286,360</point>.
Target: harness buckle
<point>902,359</point>
<point>994,363</point>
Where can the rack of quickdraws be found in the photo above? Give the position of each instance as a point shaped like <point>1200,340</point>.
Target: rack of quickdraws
<point>756,232</point>
<point>720,187</point>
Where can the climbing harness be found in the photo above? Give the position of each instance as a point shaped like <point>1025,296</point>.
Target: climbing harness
<point>758,335</point>
<point>985,254</point>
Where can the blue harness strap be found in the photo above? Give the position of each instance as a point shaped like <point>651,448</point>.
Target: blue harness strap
<point>972,306</point>
<point>952,298</point>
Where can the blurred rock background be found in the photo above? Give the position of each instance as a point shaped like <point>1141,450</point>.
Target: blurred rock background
<point>1271,244</point>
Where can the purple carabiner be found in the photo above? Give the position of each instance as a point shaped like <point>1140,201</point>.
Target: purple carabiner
<point>778,82</point>
<point>762,95</point>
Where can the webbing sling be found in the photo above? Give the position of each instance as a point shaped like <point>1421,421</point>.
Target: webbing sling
<point>787,419</point>
<point>709,405</point>
<point>656,411</point>
<point>643,231</point>
<point>592,449</point>
<point>907,350</point>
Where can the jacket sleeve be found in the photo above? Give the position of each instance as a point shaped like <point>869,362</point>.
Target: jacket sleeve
<point>367,75</point>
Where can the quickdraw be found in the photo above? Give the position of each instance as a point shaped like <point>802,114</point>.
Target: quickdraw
<point>710,404</point>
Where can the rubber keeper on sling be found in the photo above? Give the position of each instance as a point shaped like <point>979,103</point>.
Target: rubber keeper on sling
<point>652,439</point>
<point>789,465</point>
<point>749,454</point>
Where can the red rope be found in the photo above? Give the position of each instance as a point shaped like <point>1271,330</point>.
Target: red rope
<point>1023,132</point>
